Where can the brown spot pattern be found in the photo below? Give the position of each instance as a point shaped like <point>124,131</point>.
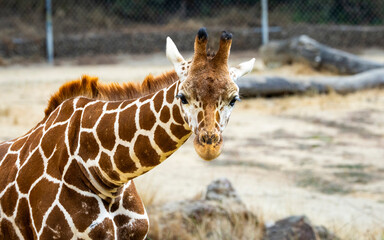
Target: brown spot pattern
<point>23,219</point>
<point>33,141</point>
<point>88,146</point>
<point>106,131</point>
<point>123,160</point>
<point>3,149</point>
<point>146,119</point>
<point>135,231</point>
<point>83,210</point>
<point>6,230</point>
<point>30,172</point>
<point>179,131</point>
<point>74,131</point>
<point>52,138</point>
<point>106,164</point>
<point>81,102</point>
<point>18,144</point>
<point>101,180</point>
<point>163,140</point>
<point>115,204</point>
<point>41,198</point>
<point>91,115</point>
<point>9,200</point>
<point>104,230</point>
<point>8,171</point>
<point>74,170</point>
<point>145,98</point>
<point>158,100</point>
<point>177,115</point>
<point>145,152</point>
<point>125,103</point>
<point>200,116</point>
<point>131,200</point>
<point>113,105</point>
<point>171,94</point>
<point>56,226</point>
<point>127,125</point>
<point>217,116</point>
<point>57,162</point>
<point>65,111</point>
<point>50,120</point>
<point>165,114</point>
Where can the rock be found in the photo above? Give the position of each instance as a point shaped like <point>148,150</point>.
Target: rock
<point>219,200</point>
<point>194,209</point>
<point>324,234</point>
<point>298,228</point>
<point>219,214</point>
<point>294,227</point>
<point>222,190</point>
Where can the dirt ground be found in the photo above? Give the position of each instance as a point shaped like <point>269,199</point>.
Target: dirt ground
<point>319,155</point>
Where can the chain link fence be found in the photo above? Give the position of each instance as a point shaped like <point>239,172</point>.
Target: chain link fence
<point>92,27</point>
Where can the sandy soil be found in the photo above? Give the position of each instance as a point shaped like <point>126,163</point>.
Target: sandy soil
<point>321,156</point>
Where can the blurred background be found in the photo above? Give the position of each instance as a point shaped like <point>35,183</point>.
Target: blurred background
<point>309,154</point>
<point>121,26</point>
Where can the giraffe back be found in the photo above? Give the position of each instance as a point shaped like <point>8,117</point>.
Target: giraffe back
<point>45,194</point>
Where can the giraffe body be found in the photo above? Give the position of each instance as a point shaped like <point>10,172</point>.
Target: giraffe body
<point>49,178</point>
<point>70,177</point>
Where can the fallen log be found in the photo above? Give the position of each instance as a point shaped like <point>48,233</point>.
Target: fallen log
<point>267,86</point>
<point>319,56</point>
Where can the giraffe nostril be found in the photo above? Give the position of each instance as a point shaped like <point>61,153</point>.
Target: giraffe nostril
<point>207,138</point>
<point>216,138</point>
<point>202,139</point>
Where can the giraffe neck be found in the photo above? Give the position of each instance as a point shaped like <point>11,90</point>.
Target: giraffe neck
<point>119,141</point>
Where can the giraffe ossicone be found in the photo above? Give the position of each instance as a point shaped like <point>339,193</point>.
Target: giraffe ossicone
<point>71,176</point>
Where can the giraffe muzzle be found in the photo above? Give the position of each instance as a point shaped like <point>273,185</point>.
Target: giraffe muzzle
<point>208,145</point>
<point>208,139</point>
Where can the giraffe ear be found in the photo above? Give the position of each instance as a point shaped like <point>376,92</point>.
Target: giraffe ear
<point>173,54</point>
<point>241,69</point>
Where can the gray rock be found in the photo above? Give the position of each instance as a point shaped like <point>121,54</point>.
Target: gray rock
<point>220,200</point>
<point>294,227</point>
<point>324,234</point>
<point>222,190</point>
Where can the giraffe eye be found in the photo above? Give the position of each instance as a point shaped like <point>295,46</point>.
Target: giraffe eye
<point>232,102</point>
<point>182,98</point>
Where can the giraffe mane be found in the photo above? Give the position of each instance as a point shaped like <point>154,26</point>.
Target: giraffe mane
<point>90,87</point>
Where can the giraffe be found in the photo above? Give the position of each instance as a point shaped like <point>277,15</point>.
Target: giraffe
<point>71,176</point>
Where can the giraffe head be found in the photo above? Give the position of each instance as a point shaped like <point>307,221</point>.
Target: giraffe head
<point>207,90</point>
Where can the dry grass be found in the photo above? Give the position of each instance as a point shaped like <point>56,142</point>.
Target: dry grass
<point>352,233</point>
<point>149,194</point>
<point>331,101</point>
<point>293,70</point>
<point>308,179</point>
<point>5,112</point>
<point>234,226</point>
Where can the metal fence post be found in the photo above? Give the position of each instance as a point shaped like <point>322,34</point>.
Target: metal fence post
<point>49,32</point>
<point>264,21</point>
